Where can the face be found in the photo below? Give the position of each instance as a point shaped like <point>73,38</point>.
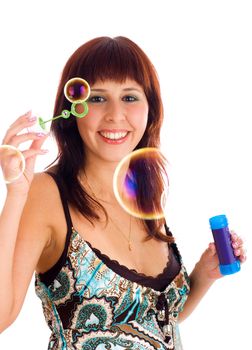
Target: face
<point>116,121</point>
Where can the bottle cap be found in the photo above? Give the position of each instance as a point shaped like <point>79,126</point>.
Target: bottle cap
<point>218,222</point>
<point>230,268</point>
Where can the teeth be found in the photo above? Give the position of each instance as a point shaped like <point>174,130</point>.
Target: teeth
<point>113,135</point>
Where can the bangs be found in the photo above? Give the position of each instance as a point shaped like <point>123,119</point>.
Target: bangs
<point>115,59</point>
<point>112,59</point>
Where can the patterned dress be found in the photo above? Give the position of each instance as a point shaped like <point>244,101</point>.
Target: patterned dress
<point>91,302</point>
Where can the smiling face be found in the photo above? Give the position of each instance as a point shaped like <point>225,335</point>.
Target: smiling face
<point>116,121</point>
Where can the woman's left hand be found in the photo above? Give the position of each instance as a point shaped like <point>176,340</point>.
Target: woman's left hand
<point>209,262</point>
<point>206,272</point>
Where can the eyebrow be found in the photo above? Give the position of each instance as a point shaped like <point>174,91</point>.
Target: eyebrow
<point>126,89</point>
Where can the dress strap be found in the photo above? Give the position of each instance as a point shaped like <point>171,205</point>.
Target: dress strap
<point>63,200</point>
<point>173,245</point>
<point>48,277</point>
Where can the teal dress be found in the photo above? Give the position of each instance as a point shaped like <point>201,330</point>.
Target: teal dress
<point>91,302</point>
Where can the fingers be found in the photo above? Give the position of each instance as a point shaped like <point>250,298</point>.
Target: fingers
<point>209,262</point>
<point>32,153</point>
<point>18,139</point>
<point>238,246</point>
<point>21,119</point>
<point>240,253</point>
<point>38,141</point>
<point>12,138</point>
<point>25,121</point>
<point>210,254</point>
<point>211,248</point>
<point>15,138</point>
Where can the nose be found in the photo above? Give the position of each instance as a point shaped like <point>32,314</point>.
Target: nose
<point>115,112</point>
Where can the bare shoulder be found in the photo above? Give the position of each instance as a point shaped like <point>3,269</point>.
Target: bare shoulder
<point>42,197</point>
<point>34,236</point>
<point>51,218</point>
<point>43,182</point>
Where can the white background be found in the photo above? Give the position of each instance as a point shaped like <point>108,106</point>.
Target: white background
<point>202,52</point>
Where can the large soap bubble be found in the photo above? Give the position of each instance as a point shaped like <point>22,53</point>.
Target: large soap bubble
<point>140,183</point>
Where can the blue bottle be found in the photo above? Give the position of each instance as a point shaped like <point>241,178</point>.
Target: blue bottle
<point>229,263</point>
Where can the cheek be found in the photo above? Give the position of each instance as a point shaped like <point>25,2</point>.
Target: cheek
<point>139,117</point>
<point>79,108</point>
<point>92,120</point>
<point>84,127</point>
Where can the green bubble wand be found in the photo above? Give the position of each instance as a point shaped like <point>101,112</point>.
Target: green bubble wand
<point>77,91</point>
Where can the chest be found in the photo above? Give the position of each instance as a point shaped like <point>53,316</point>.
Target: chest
<point>125,242</point>
<point>149,257</point>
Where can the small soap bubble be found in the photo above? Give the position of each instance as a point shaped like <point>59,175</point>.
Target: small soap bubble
<point>12,163</point>
<point>77,90</point>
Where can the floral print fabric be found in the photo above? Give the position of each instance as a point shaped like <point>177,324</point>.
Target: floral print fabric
<point>88,306</point>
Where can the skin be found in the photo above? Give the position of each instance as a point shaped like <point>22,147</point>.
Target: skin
<point>206,272</point>
<point>112,106</point>
<point>26,223</point>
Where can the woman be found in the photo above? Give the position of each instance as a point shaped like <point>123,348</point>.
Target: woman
<point>97,272</point>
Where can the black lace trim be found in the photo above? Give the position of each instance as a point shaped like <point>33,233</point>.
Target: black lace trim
<point>158,282</point>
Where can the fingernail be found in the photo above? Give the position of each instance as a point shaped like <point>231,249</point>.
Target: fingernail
<point>32,118</point>
<point>28,112</point>
<point>243,258</point>
<point>40,134</point>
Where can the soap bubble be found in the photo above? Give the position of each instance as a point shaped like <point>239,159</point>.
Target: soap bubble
<point>12,163</point>
<point>142,174</point>
<point>77,90</point>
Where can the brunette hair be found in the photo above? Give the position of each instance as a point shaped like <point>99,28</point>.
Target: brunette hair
<point>116,59</point>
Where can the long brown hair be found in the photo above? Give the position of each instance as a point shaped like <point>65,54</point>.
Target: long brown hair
<point>117,59</point>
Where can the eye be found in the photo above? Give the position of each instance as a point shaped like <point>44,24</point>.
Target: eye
<point>129,98</point>
<point>96,99</point>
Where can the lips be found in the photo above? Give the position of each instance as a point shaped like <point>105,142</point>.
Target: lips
<point>114,137</point>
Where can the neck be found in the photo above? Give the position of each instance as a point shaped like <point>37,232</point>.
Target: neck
<point>98,180</point>
<point>99,177</point>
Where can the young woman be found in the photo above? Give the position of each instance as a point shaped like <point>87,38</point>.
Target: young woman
<point>106,279</point>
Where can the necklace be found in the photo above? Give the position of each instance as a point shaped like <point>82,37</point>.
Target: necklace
<point>129,236</point>
<point>128,239</point>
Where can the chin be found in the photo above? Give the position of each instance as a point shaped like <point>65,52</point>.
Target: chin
<point>116,156</point>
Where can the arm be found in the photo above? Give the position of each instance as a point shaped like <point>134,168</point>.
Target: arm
<point>18,249</point>
<point>198,288</point>
<point>9,222</point>
<point>205,273</point>
<point>24,235</point>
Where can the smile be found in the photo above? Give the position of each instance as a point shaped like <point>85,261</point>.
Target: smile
<point>114,137</point>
